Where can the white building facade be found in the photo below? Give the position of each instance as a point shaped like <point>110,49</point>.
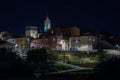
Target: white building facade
<point>31,31</point>
<point>83,43</point>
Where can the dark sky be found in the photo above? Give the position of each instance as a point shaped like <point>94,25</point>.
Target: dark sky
<point>97,15</point>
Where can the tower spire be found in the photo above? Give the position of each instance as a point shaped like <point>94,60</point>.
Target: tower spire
<point>47,24</point>
<point>47,19</point>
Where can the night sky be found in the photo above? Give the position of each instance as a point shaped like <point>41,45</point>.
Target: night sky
<point>98,16</point>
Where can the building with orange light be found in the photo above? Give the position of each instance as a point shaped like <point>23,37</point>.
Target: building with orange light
<point>22,44</point>
<point>71,31</point>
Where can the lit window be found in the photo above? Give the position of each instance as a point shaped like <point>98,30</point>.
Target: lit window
<point>93,40</point>
<point>54,39</point>
<point>89,38</point>
<point>76,41</point>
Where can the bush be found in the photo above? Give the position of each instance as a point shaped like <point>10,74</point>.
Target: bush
<point>11,65</point>
<point>41,58</point>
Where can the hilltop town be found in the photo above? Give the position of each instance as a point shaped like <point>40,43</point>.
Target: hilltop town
<point>59,38</point>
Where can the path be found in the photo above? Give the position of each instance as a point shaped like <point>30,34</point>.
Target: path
<point>74,68</point>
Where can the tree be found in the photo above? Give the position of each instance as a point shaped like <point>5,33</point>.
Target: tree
<point>41,58</point>
<point>11,65</point>
<point>101,56</point>
<point>107,70</point>
<point>52,56</point>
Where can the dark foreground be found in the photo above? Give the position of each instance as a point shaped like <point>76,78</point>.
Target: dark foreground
<point>66,76</point>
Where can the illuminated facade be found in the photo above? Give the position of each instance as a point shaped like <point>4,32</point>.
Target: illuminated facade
<point>8,46</point>
<point>54,42</point>
<point>47,24</point>
<point>31,31</point>
<point>11,40</point>
<point>22,45</point>
<point>83,43</point>
<point>39,43</point>
<point>64,45</point>
<point>5,35</point>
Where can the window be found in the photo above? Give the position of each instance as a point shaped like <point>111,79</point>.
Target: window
<point>89,38</point>
<point>54,39</point>
<point>76,41</point>
<point>93,40</point>
<point>13,41</point>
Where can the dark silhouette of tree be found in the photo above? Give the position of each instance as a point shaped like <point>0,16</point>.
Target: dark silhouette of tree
<point>52,56</point>
<point>11,65</point>
<point>107,70</point>
<point>37,56</point>
<point>41,58</point>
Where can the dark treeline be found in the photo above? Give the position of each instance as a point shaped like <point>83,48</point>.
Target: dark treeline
<point>37,60</point>
<point>107,70</point>
<point>11,65</point>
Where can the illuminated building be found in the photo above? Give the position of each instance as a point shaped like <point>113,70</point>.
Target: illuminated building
<point>64,44</point>
<point>47,24</point>
<point>5,35</point>
<point>83,43</point>
<point>69,32</point>
<point>34,44</point>
<point>8,46</point>
<point>31,31</point>
<point>11,40</point>
<point>54,42</point>
<point>39,43</point>
<point>75,31</point>
<point>22,44</point>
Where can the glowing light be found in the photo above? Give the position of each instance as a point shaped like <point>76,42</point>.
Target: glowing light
<point>16,45</point>
<point>76,41</point>
<point>84,47</point>
<point>54,39</point>
<point>28,39</point>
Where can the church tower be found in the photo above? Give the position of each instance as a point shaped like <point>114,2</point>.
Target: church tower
<point>47,24</point>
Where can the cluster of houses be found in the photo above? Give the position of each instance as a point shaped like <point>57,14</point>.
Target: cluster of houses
<point>60,38</point>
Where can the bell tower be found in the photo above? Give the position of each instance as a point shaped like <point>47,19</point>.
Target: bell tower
<point>47,24</point>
